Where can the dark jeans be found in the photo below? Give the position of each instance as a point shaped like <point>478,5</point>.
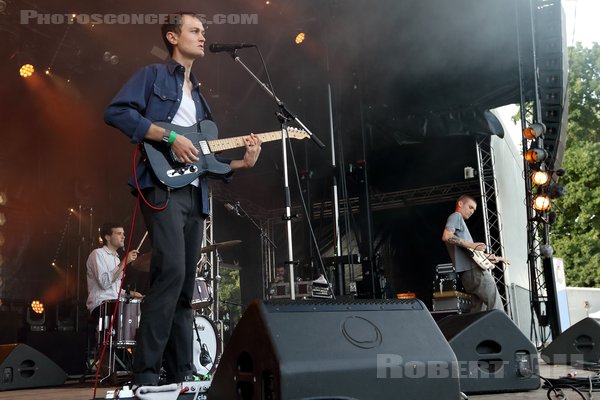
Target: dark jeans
<point>165,329</point>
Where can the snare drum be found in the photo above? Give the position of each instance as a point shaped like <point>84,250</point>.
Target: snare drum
<point>205,336</point>
<point>127,320</point>
<point>202,294</point>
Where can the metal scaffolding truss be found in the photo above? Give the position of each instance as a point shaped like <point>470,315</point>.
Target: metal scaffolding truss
<point>492,220</point>
<point>402,198</point>
<point>209,260</point>
<point>539,274</point>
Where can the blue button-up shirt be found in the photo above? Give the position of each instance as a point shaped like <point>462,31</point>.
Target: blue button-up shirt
<point>154,94</point>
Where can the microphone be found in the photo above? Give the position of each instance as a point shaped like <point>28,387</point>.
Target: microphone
<point>205,357</point>
<point>219,47</point>
<point>232,209</point>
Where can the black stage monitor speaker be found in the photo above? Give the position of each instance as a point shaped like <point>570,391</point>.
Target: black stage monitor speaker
<point>493,354</point>
<point>360,350</point>
<point>580,344</point>
<point>24,367</point>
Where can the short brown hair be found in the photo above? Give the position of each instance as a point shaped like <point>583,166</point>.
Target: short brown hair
<point>173,24</point>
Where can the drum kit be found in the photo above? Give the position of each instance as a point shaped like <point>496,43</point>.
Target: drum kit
<point>207,344</point>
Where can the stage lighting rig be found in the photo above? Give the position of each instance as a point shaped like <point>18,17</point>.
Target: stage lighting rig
<point>36,316</point>
<point>536,155</point>
<point>534,131</point>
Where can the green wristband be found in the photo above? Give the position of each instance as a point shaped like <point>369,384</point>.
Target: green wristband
<point>172,137</point>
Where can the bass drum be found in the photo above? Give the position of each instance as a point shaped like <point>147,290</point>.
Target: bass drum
<point>207,345</point>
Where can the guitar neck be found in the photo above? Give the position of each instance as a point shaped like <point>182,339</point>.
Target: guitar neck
<point>217,145</point>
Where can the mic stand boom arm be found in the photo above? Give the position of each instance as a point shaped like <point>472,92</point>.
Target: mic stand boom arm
<point>284,111</point>
<point>262,231</point>
<point>284,115</point>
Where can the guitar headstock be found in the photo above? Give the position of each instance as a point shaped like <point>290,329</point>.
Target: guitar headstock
<point>299,134</point>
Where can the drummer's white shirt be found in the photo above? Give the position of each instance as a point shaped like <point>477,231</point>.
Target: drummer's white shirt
<point>101,266</point>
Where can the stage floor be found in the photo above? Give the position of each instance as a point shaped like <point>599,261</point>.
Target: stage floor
<point>85,391</point>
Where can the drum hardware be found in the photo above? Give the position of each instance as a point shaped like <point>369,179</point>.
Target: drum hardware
<point>206,344</point>
<point>127,319</point>
<point>202,296</point>
<point>205,357</point>
<point>142,263</point>
<point>211,275</point>
<point>121,337</point>
<point>219,246</point>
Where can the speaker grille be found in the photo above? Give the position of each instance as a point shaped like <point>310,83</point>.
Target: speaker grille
<point>337,305</point>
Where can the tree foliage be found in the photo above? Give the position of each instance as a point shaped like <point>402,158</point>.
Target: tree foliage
<point>230,299</point>
<point>576,234</point>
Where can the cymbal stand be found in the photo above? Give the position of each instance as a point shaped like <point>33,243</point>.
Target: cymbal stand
<point>115,367</point>
<point>216,281</point>
<point>263,234</point>
<point>265,241</point>
<point>284,116</point>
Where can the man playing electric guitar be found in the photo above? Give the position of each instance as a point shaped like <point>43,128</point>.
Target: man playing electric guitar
<point>477,280</point>
<point>170,93</point>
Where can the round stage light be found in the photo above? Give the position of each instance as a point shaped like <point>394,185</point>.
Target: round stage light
<point>540,178</point>
<point>300,37</point>
<point>541,203</point>
<point>536,155</point>
<point>534,131</point>
<point>26,70</point>
<point>37,306</point>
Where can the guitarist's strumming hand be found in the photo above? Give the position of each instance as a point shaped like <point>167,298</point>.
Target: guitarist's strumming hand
<point>184,150</point>
<point>476,246</point>
<point>451,238</point>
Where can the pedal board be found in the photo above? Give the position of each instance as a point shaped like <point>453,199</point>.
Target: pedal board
<point>195,390</point>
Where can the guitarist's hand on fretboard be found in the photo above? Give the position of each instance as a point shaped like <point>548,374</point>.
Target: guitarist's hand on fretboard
<point>253,148</point>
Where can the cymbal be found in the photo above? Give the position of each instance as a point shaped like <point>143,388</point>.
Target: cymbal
<point>219,246</point>
<point>142,263</point>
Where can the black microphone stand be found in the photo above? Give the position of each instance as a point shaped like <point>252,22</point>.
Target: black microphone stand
<point>283,116</point>
<point>263,235</point>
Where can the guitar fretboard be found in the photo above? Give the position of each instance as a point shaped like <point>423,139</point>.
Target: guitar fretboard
<point>236,142</point>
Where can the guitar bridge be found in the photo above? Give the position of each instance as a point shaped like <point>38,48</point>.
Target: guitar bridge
<point>188,169</point>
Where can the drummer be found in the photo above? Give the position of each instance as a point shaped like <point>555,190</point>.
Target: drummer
<point>105,269</point>
<point>280,275</point>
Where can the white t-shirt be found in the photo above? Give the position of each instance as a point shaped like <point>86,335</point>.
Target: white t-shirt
<point>186,116</point>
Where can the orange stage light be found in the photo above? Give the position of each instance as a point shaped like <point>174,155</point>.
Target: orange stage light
<point>26,70</point>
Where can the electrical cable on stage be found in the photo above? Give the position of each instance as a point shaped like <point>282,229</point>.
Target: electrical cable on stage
<point>588,383</point>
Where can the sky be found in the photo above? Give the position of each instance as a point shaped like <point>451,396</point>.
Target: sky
<point>582,21</point>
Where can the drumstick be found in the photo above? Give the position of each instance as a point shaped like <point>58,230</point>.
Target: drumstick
<point>144,238</point>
